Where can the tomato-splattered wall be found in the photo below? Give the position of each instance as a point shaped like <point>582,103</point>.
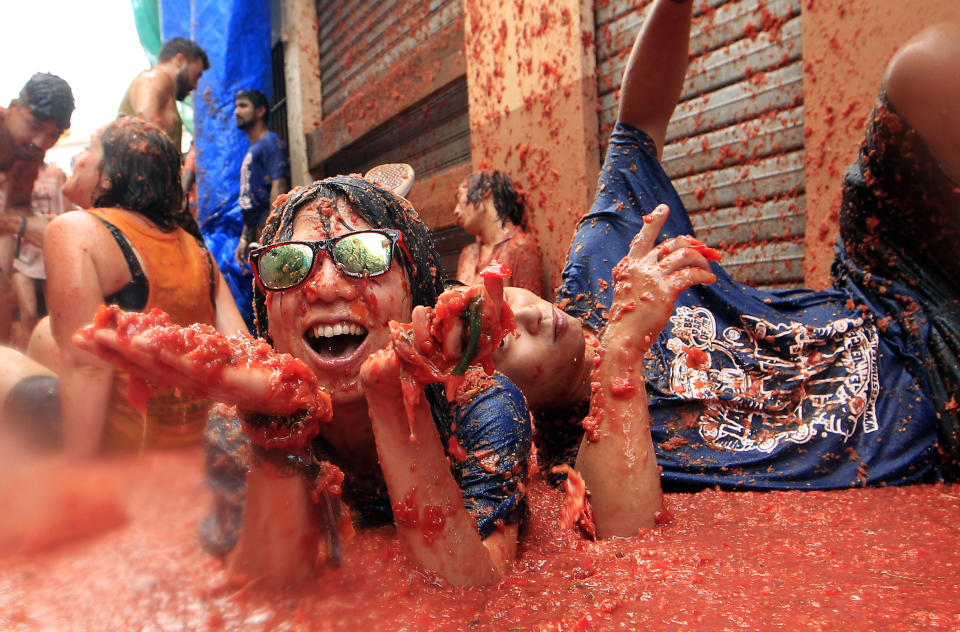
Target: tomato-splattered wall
<point>532,90</point>
<point>767,189</point>
<point>846,48</point>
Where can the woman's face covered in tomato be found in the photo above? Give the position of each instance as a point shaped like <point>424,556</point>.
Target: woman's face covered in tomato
<point>331,321</point>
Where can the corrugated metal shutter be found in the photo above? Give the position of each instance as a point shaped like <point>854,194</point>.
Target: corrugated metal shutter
<point>358,41</point>
<point>360,38</point>
<point>735,146</point>
<point>431,136</point>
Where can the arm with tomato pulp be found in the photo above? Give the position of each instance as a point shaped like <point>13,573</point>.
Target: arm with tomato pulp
<point>616,457</point>
<point>429,509</point>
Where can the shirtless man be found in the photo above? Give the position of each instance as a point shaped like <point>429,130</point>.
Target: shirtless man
<point>28,128</point>
<point>153,95</point>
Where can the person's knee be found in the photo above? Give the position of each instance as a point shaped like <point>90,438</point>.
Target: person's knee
<point>31,412</point>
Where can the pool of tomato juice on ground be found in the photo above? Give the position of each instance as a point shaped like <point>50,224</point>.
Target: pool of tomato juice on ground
<point>860,559</point>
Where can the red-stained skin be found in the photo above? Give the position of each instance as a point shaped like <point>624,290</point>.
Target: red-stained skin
<point>328,298</point>
<point>292,387</point>
<point>433,343</point>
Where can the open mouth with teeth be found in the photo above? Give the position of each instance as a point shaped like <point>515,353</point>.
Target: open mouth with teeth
<point>335,341</point>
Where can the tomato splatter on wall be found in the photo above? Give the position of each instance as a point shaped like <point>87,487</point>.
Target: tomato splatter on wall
<point>532,83</point>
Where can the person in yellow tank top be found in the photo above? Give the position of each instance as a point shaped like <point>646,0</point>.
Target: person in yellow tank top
<point>133,249</point>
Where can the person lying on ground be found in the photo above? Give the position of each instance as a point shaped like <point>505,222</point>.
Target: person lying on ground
<point>751,389</point>
<point>346,283</point>
<point>490,208</point>
<point>128,250</point>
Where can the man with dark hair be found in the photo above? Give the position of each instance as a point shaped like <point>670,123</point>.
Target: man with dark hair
<point>265,171</point>
<point>153,95</point>
<point>491,208</point>
<point>28,128</point>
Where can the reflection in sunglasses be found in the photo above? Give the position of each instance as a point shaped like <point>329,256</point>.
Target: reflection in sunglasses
<point>361,254</point>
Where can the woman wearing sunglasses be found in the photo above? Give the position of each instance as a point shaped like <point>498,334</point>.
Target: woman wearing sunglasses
<point>341,259</point>
<point>133,248</point>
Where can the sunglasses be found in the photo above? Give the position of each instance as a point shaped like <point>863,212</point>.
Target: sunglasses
<point>361,254</point>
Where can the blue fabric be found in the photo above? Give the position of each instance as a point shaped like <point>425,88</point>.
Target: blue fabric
<point>236,37</point>
<point>220,234</point>
<point>801,388</point>
<point>264,162</point>
<point>493,428</point>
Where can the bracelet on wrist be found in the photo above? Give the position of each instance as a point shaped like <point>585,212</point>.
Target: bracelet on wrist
<point>287,463</point>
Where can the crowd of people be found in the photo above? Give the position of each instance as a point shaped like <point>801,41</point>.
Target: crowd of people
<point>369,393</point>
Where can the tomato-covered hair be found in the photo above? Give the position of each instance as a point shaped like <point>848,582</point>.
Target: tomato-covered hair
<point>381,209</point>
<point>140,172</point>
<point>508,199</point>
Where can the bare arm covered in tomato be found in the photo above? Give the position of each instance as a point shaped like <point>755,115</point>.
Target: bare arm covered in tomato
<point>428,510</point>
<point>428,505</point>
<point>616,457</point>
<point>653,79</point>
<point>278,397</point>
<point>74,292</point>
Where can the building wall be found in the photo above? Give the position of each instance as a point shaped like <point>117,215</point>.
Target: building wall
<point>532,70</point>
<point>846,48</point>
<point>532,90</point>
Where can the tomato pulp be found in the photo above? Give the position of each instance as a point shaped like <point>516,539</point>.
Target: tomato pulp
<point>884,558</point>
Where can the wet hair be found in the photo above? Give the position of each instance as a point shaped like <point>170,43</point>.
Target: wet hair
<point>381,209</point>
<point>190,49</point>
<point>256,98</point>
<point>49,98</point>
<point>507,200</point>
<point>140,172</point>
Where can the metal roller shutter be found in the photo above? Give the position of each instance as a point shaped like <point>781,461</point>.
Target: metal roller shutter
<point>359,39</point>
<point>431,136</point>
<point>735,145</point>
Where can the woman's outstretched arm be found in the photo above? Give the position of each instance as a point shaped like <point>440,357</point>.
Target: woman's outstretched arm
<point>616,457</point>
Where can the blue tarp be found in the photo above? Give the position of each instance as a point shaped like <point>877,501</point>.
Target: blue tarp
<point>236,37</point>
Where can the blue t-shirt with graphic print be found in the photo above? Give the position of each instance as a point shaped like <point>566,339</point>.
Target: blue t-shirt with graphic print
<point>799,389</point>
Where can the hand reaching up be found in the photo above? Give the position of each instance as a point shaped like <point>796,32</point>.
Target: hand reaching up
<point>648,281</point>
